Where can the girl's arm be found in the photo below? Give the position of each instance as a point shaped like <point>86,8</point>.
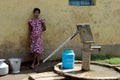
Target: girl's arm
<point>43,25</point>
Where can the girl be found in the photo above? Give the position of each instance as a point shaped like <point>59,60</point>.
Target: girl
<point>36,26</point>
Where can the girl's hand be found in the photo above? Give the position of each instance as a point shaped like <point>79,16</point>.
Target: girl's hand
<point>43,27</point>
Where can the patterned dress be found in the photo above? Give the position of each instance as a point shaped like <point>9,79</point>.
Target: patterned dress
<point>36,42</point>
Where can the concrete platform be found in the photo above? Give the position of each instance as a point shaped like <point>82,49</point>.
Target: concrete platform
<point>45,76</point>
<point>98,71</point>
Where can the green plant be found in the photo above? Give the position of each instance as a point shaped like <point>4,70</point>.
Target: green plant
<point>113,60</point>
<point>98,56</point>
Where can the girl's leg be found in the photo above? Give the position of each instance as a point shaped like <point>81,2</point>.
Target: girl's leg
<point>34,60</point>
<point>38,60</point>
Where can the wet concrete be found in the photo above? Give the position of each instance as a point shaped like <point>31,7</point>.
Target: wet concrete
<point>97,71</point>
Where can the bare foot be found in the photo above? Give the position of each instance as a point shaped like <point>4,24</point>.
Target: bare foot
<point>37,64</point>
<point>32,67</point>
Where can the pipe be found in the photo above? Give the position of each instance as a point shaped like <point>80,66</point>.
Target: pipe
<point>62,45</point>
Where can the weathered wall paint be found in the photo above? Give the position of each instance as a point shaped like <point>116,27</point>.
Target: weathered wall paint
<point>104,19</point>
<point>61,20</point>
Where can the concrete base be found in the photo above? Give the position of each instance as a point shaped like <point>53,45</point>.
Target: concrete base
<point>45,76</point>
<point>98,71</point>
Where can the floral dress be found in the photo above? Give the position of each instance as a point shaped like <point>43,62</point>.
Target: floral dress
<point>36,42</point>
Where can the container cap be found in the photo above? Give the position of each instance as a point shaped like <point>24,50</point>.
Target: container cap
<point>68,50</point>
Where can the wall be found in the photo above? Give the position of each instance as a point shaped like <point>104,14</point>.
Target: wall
<point>104,19</point>
<point>61,20</point>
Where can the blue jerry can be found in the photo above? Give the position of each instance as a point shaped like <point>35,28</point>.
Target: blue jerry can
<point>68,58</point>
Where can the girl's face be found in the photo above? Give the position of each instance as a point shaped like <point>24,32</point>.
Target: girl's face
<point>36,14</point>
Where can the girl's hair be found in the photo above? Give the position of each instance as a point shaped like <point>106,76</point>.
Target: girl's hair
<point>36,9</point>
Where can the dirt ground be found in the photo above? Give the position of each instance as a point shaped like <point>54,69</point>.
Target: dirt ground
<point>42,70</point>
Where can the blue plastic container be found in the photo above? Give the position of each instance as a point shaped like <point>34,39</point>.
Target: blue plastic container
<point>68,58</point>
